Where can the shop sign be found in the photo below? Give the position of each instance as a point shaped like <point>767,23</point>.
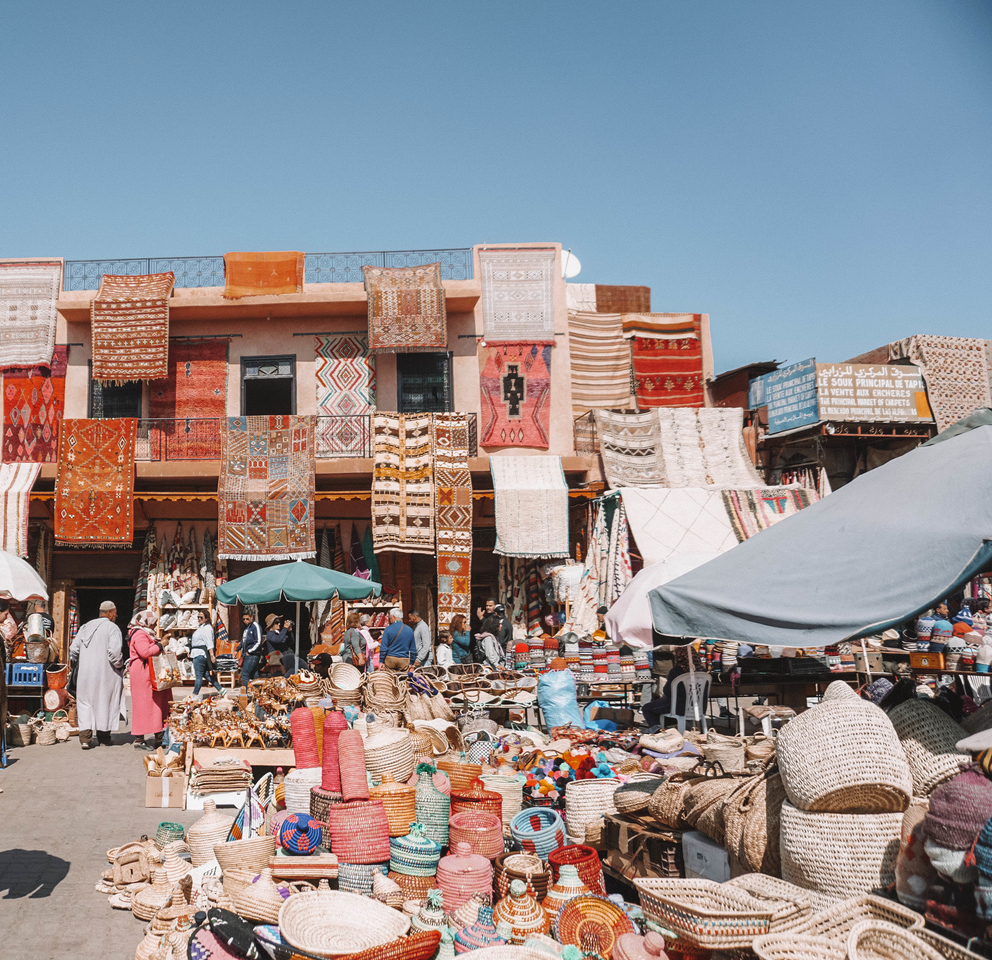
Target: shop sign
<point>871,392</point>
<point>790,395</point>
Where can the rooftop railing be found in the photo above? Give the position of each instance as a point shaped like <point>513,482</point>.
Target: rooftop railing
<point>456,264</point>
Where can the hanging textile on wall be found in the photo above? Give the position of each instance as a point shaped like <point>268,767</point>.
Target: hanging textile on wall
<point>619,572</point>
<point>631,448</point>
<point>16,481</point>
<point>518,294</point>
<point>368,549</point>
<point>325,550</point>
<point>94,490</point>
<point>667,358</point>
<point>516,394</point>
<point>600,361</point>
<point>145,571</point>
<point>28,293</point>
<point>263,274</point>
<point>191,400</point>
<point>339,562</point>
<point>581,296</point>
<point>359,568</point>
<point>345,379</point>
<point>407,312</point>
<point>129,323</point>
<point>583,611</point>
<point>402,491</point>
<point>73,615</point>
<point>452,515</point>
<point>751,511</point>
<point>33,407</point>
<point>531,501</point>
<point>533,595</point>
<point>266,489</point>
<point>613,299</point>
<point>705,448</point>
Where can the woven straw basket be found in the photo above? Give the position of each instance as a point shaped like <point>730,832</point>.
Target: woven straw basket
<point>839,854</point>
<point>587,801</point>
<point>843,756</point>
<point>297,788</point>
<point>791,905</point>
<point>399,800</point>
<point>877,940</point>
<point>250,854</point>
<point>330,923</point>
<point>928,737</point>
<point>792,946</point>
<point>728,751</point>
<point>390,751</point>
<point>511,790</point>
<point>359,831</point>
<point>838,920</point>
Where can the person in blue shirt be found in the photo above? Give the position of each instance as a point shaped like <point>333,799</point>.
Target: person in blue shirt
<point>399,647</point>
<point>252,643</point>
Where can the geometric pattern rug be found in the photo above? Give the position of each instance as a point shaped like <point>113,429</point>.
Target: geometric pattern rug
<point>705,448</point>
<point>192,401</point>
<point>630,445</point>
<point>515,385</point>
<point>266,489</point>
<point>33,406</point>
<point>452,516</point>
<point>667,358</point>
<point>345,378</point>
<point>751,511</point>
<point>94,490</point>
<point>129,320</point>
<point>406,308</point>
<point>28,292</point>
<point>16,481</point>
<point>517,294</point>
<point>402,487</point>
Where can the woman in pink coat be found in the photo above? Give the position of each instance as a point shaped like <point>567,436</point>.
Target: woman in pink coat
<point>149,708</point>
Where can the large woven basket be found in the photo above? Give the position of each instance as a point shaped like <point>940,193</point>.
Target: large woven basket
<point>359,831</point>
<point>837,921</point>
<point>511,791</point>
<point>210,829</point>
<point>399,800</point>
<point>878,940</point>
<point>793,946</point>
<point>527,867</point>
<point>790,905</point>
<point>297,787</point>
<point>250,854</point>
<point>481,830</point>
<point>839,854</point>
<point>703,804</point>
<point>929,737</point>
<point>585,860</point>
<point>461,775</point>
<point>727,751</point>
<point>538,830</point>
<point>710,915</point>
<point>330,923</point>
<point>390,751</point>
<point>587,801</point>
<point>843,756</point>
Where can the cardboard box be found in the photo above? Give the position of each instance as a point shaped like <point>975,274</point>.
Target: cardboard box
<point>704,859</point>
<point>634,849</point>
<point>621,716</point>
<point>165,791</point>
<point>874,664</point>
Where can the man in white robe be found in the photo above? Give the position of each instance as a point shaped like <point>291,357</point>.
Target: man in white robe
<point>100,702</point>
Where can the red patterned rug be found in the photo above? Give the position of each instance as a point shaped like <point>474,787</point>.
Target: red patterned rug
<point>452,516</point>
<point>94,490</point>
<point>406,309</point>
<point>266,489</point>
<point>516,394</point>
<point>667,358</point>
<point>130,327</point>
<point>193,401</point>
<point>33,407</point>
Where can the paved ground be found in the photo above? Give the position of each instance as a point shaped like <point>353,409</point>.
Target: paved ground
<point>61,809</point>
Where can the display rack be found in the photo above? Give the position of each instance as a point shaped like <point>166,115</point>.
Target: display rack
<point>372,607</point>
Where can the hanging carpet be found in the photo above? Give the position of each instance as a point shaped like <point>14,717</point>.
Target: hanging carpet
<point>630,445</point>
<point>705,448</point>
<point>33,407</point>
<point>611,299</point>
<point>266,489</point>
<point>667,358</point>
<point>94,490</point>
<point>531,500</point>
<point>518,294</point>
<point>751,511</point>
<point>191,401</point>
<point>129,320</point>
<point>28,293</point>
<point>600,361</point>
<point>516,394</point>
<point>581,296</point>
<point>402,491</point>
<point>452,515</point>
<point>406,309</point>
<point>263,274</point>
<point>345,378</point>
<point>16,481</point>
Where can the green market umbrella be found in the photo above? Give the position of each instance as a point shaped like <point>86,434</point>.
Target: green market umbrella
<point>299,581</point>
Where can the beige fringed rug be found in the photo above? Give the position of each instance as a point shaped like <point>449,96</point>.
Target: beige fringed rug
<point>630,445</point>
<point>402,484</point>
<point>600,359</point>
<point>705,448</point>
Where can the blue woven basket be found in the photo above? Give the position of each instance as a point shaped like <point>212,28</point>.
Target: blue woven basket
<point>357,877</point>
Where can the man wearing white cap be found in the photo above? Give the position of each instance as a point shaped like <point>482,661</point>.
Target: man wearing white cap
<point>100,703</point>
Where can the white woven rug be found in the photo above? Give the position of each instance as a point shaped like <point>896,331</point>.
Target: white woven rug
<point>16,481</point>
<point>705,448</point>
<point>28,292</point>
<point>531,500</point>
<point>517,300</point>
<point>630,445</point>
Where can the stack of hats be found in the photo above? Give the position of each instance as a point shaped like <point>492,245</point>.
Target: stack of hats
<point>535,655</point>
<point>627,668</point>
<point>642,665</point>
<point>521,655</point>
<point>613,668</point>
<point>924,627</point>
<point>728,654</point>
<point>959,809</point>
<point>586,661</point>
<point>942,632</point>
<point>600,662</point>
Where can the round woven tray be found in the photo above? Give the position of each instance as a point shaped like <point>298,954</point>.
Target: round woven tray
<point>592,923</point>
<point>332,924</point>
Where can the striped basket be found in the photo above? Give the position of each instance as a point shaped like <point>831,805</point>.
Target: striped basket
<point>359,877</point>
<point>359,832</point>
<point>538,830</point>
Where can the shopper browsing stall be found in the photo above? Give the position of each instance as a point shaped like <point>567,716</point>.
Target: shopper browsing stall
<point>149,708</point>
<point>399,647</point>
<point>202,653</point>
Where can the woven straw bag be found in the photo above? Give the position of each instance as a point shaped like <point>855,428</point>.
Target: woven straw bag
<point>929,737</point>
<point>751,822</point>
<point>382,692</point>
<point>727,751</point>
<point>759,747</point>
<point>843,756</point>
<point>703,804</point>
<point>634,796</point>
<point>877,940</point>
<point>20,734</point>
<point>838,920</point>
<point>330,923</point>
<point>390,751</point>
<point>587,801</point>
<point>839,854</point>
<point>666,802</point>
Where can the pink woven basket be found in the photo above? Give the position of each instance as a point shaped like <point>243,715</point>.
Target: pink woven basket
<point>304,738</point>
<point>334,725</point>
<point>482,831</point>
<point>351,763</point>
<point>477,797</point>
<point>359,831</point>
<point>585,860</point>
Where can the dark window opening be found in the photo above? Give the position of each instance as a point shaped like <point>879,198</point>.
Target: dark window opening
<point>424,382</point>
<point>268,386</point>
<point>110,401</point>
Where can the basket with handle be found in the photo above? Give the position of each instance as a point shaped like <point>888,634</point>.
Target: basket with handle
<point>791,905</point>
<point>878,940</point>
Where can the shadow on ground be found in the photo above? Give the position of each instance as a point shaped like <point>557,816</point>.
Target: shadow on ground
<point>30,873</point>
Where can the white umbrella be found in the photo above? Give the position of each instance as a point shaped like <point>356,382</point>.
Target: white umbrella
<point>19,580</point>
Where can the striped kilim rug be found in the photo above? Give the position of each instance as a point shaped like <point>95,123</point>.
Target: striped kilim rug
<point>266,489</point>
<point>452,515</point>
<point>28,292</point>
<point>263,274</point>
<point>516,394</point>
<point>192,401</point>
<point>518,294</point>
<point>16,481</point>
<point>531,499</point>
<point>402,489</point>
<point>600,361</point>
<point>667,358</point>
<point>630,445</point>
<point>129,320</point>
<point>33,407</point>
<point>345,376</point>
<point>94,490</point>
<point>407,311</point>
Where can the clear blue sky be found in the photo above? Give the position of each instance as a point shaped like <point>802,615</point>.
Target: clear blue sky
<point>815,176</point>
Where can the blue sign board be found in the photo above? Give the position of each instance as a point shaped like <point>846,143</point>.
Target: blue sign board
<point>790,395</point>
<point>756,394</point>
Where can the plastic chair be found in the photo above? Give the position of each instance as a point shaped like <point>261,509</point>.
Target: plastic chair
<point>693,690</point>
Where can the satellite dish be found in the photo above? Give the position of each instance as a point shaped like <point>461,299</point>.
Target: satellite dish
<point>570,265</point>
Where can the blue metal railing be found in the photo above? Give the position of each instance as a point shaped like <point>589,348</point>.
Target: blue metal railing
<point>456,264</point>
